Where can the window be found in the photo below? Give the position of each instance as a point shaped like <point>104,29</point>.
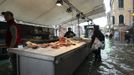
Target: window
<point>113,19</point>
<point>121,3</point>
<point>121,19</point>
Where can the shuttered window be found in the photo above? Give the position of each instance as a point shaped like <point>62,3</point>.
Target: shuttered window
<point>121,3</point>
<point>113,19</point>
<point>121,19</point>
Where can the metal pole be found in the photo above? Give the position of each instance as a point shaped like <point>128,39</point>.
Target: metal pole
<point>133,12</point>
<point>130,18</point>
<point>78,28</point>
<point>129,11</point>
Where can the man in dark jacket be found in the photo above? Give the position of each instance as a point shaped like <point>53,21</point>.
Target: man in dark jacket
<point>69,33</point>
<point>97,34</point>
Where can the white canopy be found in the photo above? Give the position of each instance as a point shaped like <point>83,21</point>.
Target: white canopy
<point>45,12</point>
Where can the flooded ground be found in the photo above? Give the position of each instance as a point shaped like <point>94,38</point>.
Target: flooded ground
<point>117,59</point>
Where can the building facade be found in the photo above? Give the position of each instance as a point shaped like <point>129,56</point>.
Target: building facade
<point>121,12</point>
<point>121,15</point>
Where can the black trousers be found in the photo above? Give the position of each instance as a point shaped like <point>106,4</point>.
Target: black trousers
<point>97,54</point>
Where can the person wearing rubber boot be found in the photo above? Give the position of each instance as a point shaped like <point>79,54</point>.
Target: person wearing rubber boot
<point>97,42</point>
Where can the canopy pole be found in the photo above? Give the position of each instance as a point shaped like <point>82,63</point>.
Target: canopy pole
<point>78,27</point>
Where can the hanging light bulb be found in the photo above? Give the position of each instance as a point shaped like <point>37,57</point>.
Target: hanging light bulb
<point>59,3</point>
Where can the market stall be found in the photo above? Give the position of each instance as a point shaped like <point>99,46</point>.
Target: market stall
<point>50,60</point>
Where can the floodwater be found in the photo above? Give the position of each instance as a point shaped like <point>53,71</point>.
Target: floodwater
<point>117,59</point>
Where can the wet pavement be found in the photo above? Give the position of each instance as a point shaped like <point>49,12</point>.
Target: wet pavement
<point>117,59</point>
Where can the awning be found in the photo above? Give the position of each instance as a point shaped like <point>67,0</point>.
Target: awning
<point>45,12</point>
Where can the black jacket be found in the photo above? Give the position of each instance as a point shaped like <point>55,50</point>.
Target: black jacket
<point>97,34</point>
<point>69,34</point>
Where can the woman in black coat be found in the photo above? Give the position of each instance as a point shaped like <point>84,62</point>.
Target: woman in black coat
<point>97,34</point>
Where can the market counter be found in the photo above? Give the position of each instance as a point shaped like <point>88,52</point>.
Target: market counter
<point>48,61</point>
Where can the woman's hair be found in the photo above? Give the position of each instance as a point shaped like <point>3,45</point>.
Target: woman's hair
<point>96,27</point>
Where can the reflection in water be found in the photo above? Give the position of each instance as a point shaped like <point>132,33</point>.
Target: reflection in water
<point>117,55</point>
<point>117,59</point>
